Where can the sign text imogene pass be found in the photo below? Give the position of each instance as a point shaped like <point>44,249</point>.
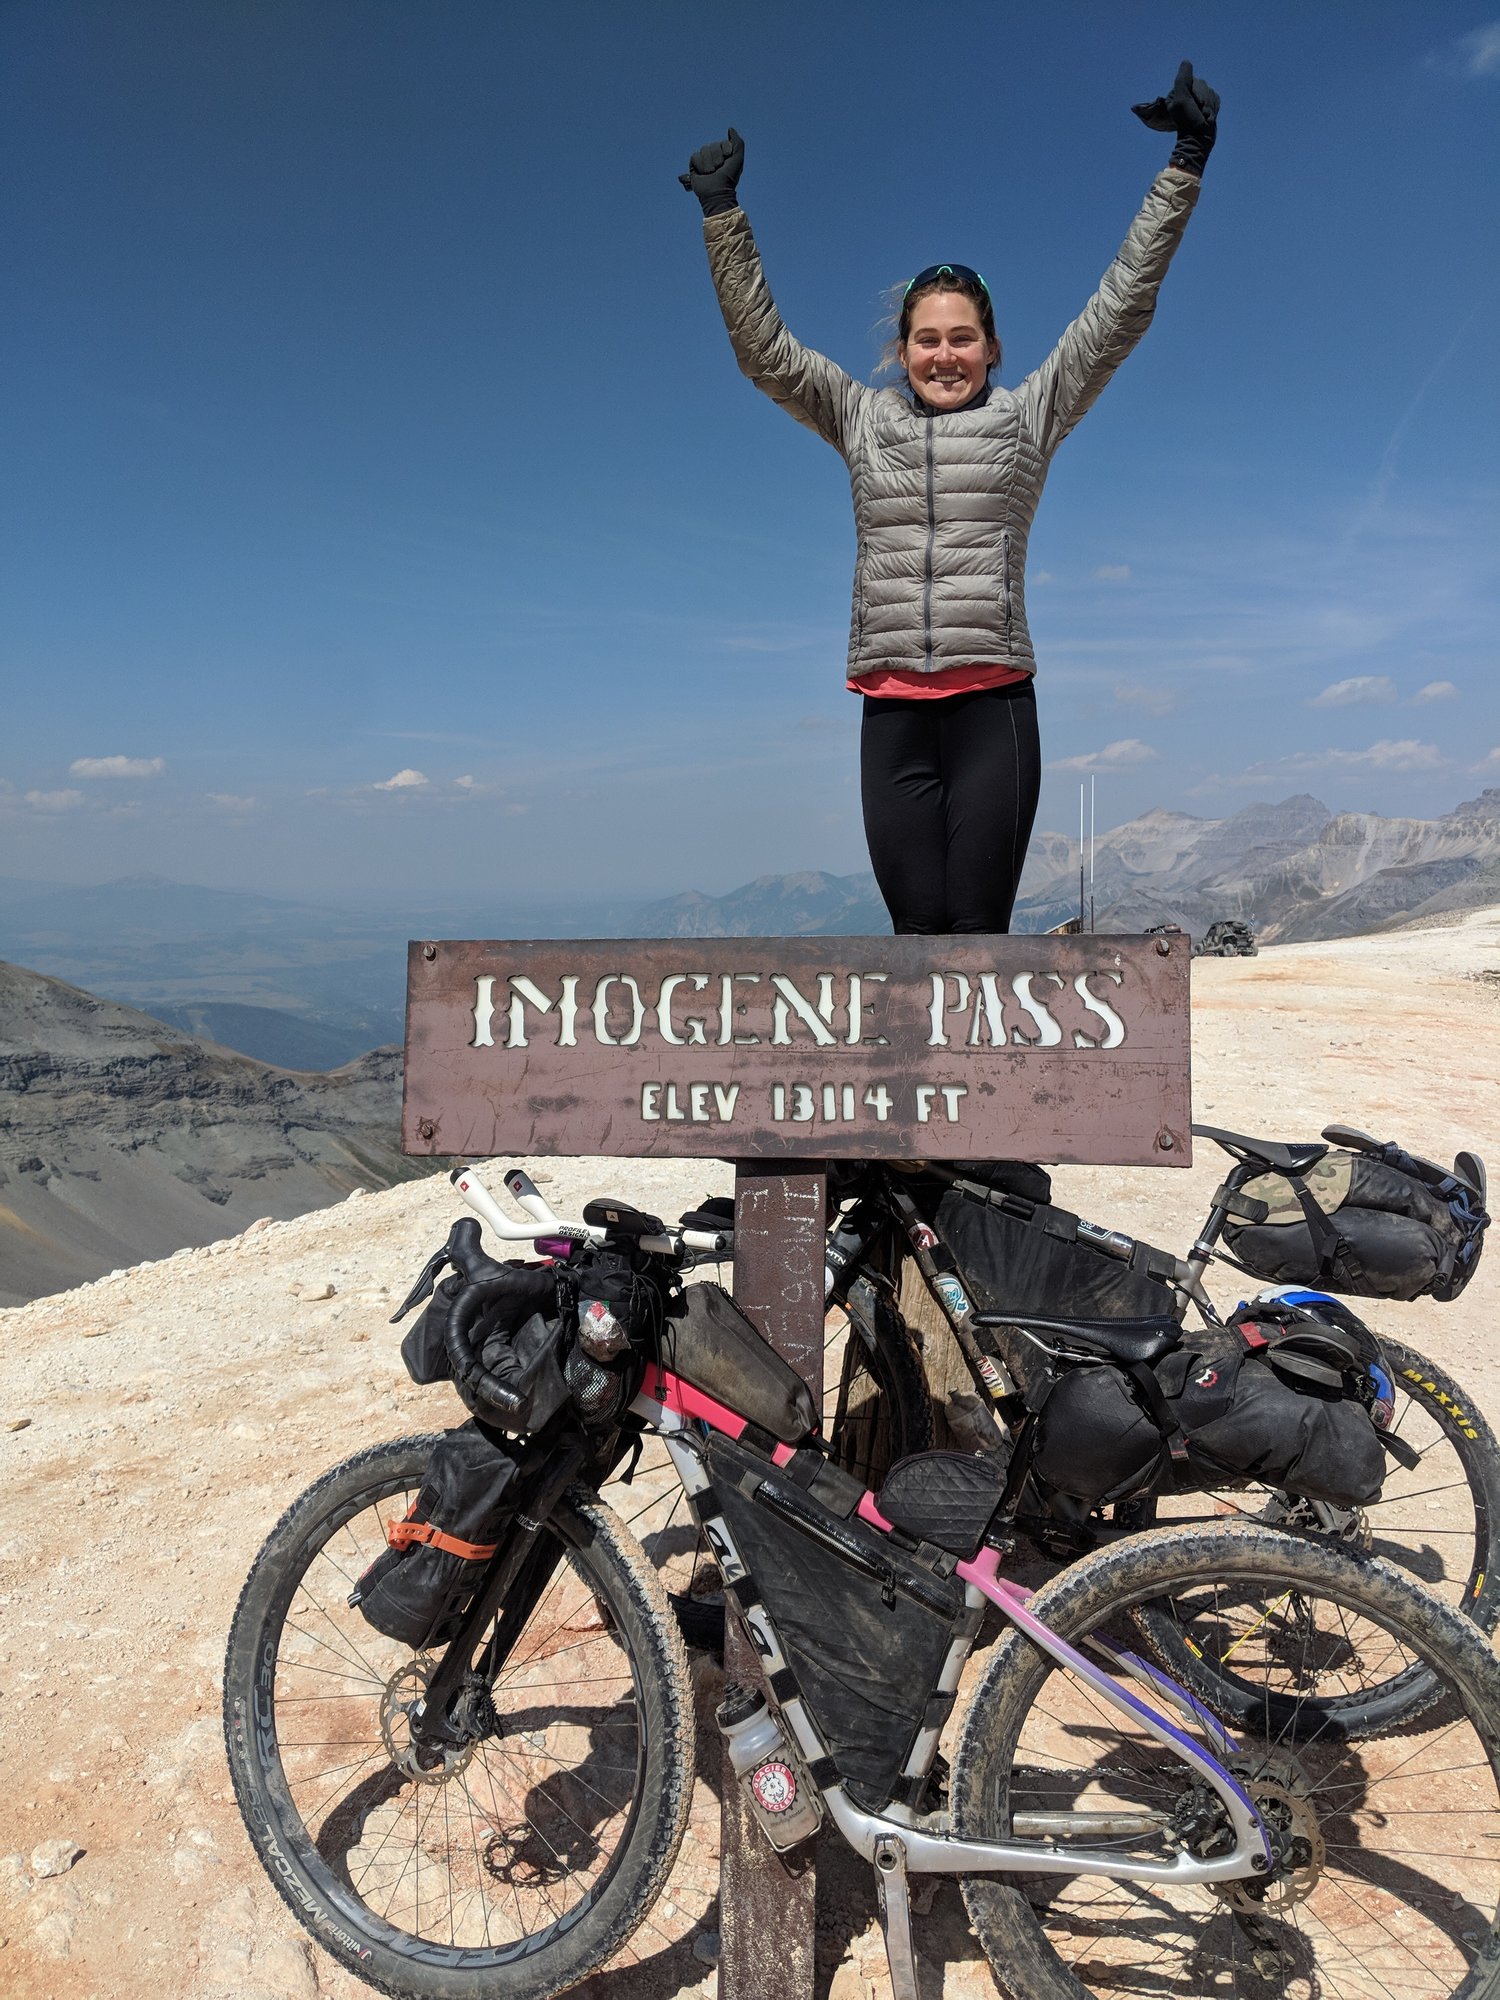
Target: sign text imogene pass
<point>1055,1048</point>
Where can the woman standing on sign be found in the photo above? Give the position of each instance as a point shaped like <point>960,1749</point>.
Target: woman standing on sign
<point>946,475</point>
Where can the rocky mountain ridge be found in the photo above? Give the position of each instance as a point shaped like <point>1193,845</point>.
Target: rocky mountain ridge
<point>123,1138</point>
<point>1294,870</point>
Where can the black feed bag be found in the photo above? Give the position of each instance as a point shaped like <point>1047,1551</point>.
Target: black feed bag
<point>419,1588</point>
<point>1376,1224</point>
<point>865,1632</point>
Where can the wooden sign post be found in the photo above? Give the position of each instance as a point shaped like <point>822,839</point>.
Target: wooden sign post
<point>779,1230</point>
<point>781,1053</point>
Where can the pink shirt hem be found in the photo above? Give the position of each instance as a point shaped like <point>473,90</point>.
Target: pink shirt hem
<point>907,686</point>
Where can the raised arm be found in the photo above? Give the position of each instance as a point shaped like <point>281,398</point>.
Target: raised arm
<point>1057,394</point>
<point>807,385</point>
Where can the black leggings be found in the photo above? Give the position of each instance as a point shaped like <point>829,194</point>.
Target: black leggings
<point>949,788</point>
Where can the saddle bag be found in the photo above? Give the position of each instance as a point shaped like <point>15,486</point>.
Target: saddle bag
<point>865,1623</point>
<point>1376,1223</point>
<point>1283,1402</point>
<point>418,1588</point>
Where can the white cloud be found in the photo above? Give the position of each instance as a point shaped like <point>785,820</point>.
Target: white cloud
<point>1362,687</point>
<point>1478,53</point>
<point>1435,691</point>
<point>1146,696</point>
<point>230,801</point>
<point>1490,763</point>
<point>1113,757</point>
<point>1043,576</point>
<point>1405,755</point>
<point>466,783</point>
<point>54,801</point>
<point>117,767</point>
<point>403,781</point>
<point>1112,572</point>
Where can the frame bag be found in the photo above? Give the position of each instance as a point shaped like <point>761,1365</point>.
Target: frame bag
<point>865,1624</point>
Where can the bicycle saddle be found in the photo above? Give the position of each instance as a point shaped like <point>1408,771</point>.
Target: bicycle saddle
<point>1124,1340</point>
<point>1269,1153</point>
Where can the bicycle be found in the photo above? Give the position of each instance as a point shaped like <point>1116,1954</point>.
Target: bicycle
<point>1439,1511</point>
<point>497,1810</point>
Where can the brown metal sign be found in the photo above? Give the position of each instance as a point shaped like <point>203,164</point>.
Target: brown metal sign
<point>1038,1048</point>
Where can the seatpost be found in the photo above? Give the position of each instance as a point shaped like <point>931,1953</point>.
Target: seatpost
<point>1190,1275</point>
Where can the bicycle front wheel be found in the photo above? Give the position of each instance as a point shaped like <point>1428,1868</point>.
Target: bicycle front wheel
<point>526,1857</point>
<point>1386,1871</point>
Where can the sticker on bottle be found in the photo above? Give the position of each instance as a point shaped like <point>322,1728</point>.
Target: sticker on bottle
<point>923,1237</point>
<point>774,1786</point>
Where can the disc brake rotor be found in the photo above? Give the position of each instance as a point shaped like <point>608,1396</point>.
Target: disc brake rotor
<point>1284,1802</point>
<point>405,1692</point>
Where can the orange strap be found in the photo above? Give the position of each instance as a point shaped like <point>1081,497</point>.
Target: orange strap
<point>401,1535</point>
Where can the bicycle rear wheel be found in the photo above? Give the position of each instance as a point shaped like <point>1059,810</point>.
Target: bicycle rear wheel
<point>1386,1876</point>
<point>527,1857</point>
<point>1438,1521</point>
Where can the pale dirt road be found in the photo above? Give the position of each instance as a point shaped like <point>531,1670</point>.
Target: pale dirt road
<point>175,1410</point>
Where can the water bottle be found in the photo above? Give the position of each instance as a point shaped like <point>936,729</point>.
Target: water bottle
<point>781,1794</point>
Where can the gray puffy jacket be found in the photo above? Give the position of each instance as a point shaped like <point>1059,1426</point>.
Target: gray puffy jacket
<point>944,502</point>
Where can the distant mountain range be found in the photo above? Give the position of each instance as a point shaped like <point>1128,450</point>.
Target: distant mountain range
<point>1294,871</point>
<point>123,1139</point>
<point>305,987</point>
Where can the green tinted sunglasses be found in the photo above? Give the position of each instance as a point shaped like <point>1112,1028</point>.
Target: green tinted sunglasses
<point>964,272</point>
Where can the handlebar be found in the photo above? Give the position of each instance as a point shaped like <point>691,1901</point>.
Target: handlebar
<point>544,1224</point>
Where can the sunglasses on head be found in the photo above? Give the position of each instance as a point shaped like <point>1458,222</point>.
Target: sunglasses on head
<point>964,272</point>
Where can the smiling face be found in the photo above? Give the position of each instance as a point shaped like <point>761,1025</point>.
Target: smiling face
<point>946,354</point>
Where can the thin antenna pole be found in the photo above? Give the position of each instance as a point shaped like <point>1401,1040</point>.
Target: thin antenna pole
<point>1093,830</point>
<point>1080,854</point>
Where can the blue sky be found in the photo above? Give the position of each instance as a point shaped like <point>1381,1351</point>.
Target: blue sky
<point>383,510</point>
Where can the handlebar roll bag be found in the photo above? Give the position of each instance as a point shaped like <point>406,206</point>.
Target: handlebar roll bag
<point>419,1587</point>
<point>525,1289</point>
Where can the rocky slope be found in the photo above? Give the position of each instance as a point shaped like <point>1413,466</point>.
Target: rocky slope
<point>123,1138</point>
<point>154,1424</point>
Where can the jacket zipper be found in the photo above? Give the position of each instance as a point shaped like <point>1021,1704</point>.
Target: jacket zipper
<point>1005,585</point>
<point>859,603</point>
<point>927,569</point>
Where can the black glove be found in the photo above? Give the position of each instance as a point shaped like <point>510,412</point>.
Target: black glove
<point>714,172</point>
<point>1191,110</point>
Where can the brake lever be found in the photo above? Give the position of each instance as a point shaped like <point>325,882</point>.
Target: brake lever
<point>427,1278</point>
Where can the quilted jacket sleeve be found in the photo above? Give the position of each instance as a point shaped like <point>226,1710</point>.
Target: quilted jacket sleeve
<point>1057,394</point>
<point>808,386</point>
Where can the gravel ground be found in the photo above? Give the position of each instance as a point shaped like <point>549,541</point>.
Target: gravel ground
<point>157,1422</point>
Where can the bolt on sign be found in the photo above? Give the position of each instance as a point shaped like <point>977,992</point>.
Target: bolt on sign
<point>1053,1048</point>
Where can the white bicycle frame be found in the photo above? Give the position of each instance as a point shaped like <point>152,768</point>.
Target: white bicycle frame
<point>900,1841</point>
